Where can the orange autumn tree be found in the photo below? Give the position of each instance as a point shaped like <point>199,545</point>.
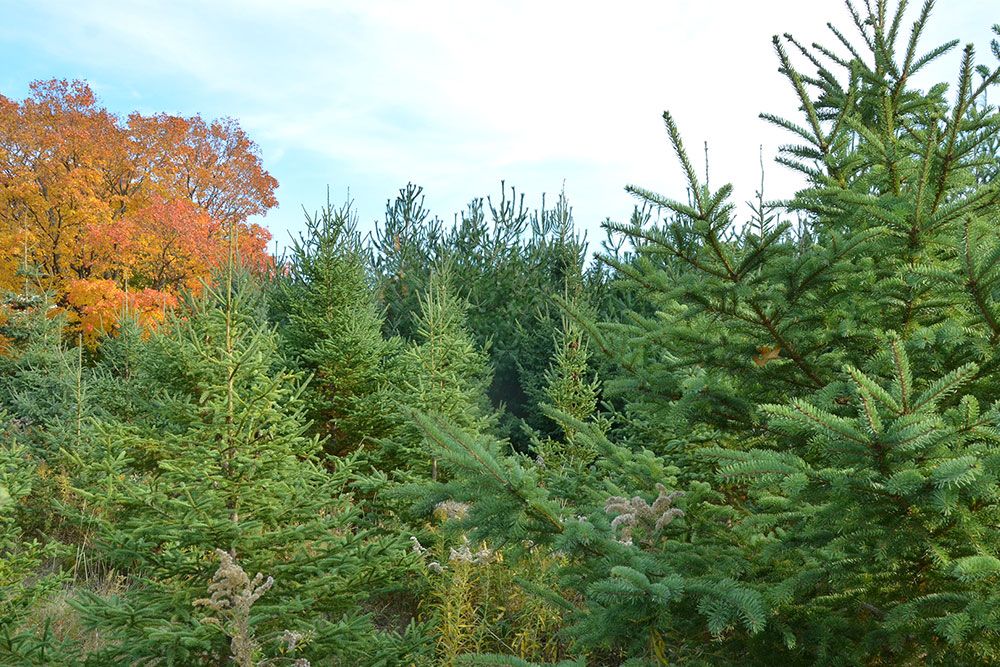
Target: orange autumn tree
<point>109,211</point>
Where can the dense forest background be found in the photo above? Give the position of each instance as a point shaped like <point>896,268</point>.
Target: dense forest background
<point>724,439</point>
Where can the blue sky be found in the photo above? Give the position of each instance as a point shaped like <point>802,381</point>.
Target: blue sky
<point>455,96</point>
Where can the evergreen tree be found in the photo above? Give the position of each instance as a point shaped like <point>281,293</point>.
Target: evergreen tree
<point>507,262</point>
<point>447,375</point>
<point>232,470</point>
<point>792,456</point>
<point>853,510</point>
<point>880,523</point>
<point>46,392</point>
<point>332,327</point>
<point>21,559</point>
<point>556,256</point>
<point>405,248</point>
<point>570,397</point>
<point>118,383</point>
<point>41,379</point>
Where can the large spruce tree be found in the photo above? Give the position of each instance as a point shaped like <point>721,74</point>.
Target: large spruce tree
<point>832,380</point>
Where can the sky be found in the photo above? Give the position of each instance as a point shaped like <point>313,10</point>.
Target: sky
<point>363,96</point>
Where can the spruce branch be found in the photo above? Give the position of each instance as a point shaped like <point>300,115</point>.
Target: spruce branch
<point>805,100</point>
<point>692,178</point>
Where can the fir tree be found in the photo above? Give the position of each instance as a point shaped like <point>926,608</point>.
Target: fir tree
<point>21,559</point>
<point>405,248</point>
<point>570,397</point>
<point>46,389</point>
<point>447,375</point>
<point>556,255</point>
<point>507,263</point>
<point>41,383</point>
<point>793,455</point>
<point>118,383</point>
<point>854,509</point>
<point>232,469</point>
<point>332,327</point>
<point>881,521</point>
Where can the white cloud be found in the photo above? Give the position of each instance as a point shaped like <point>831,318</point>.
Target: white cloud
<point>457,95</point>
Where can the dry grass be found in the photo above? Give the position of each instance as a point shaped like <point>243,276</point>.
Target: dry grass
<point>64,622</point>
